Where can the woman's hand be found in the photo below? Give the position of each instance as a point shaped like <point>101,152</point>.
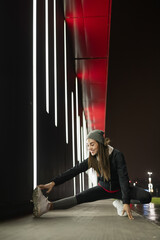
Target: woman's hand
<point>127,209</point>
<point>48,186</point>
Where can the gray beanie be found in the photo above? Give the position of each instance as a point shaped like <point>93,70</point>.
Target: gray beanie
<point>97,135</point>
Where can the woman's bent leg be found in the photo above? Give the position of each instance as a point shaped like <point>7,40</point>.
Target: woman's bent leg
<point>137,193</point>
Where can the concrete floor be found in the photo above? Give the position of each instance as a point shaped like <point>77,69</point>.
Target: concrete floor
<point>89,221</point>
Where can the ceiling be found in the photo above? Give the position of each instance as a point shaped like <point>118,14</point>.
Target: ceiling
<point>88,23</point>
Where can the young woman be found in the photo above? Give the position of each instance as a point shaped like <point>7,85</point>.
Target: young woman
<point>113,181</point>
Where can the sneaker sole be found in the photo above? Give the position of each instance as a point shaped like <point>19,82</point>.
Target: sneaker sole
<point>35,202</point>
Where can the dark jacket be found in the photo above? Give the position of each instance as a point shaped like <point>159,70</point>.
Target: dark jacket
<point>119,175</point>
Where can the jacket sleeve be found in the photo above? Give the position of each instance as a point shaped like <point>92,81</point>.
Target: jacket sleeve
<point>71,173</point>
<point>123,177</point>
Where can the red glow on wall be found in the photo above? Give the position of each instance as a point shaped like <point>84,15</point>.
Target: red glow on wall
<point>88,23</point>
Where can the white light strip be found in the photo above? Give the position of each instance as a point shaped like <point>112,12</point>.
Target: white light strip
<point>34,93</point>
<point>78,143</point>
<point>82,155</point>
<point>65,79</point>
<point>47,54</point>
<point>86,153</point>
<point>83,184</point>
<point>79,139</point>
<point>78,132</point>
<point>73,139</point>
<point>55,63</point>
<point>84,136</point>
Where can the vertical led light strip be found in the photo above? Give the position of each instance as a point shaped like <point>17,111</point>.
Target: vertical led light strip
<point>79,139</point>
<point>34,93</point>
<point>73,139</point>
<point>82,155</point>
<point>84,136</point>
<point>78,133</point>
<point>47,58</point>
<point>55,63</point>
<point>65,79</point>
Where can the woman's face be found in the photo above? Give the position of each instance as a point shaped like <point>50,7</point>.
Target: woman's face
<point>92,146</point>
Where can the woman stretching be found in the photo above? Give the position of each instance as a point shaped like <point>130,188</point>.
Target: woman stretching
<point>113,181</point>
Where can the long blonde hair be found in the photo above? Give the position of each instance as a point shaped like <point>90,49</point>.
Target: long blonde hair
<point>102,165</point>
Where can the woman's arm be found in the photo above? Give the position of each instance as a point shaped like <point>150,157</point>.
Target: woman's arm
<point>124,183</point>
<point>71,173</point>
<point>123,177</point>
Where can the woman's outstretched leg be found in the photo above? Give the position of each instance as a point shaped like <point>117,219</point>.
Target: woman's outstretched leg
<point>89,195</point>
<point>64,203</point>
<point>42,205</point>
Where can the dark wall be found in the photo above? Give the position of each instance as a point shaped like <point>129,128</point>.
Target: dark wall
<point>133,101</point>
<point>54,155</point>
<point>16,107</point>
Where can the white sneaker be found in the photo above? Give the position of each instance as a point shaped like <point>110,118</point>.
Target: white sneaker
<point>119,205</point>
<point>41,203</point>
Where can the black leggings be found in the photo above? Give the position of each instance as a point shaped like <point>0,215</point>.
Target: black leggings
<point>98,193</point>
<point>137,195</point>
